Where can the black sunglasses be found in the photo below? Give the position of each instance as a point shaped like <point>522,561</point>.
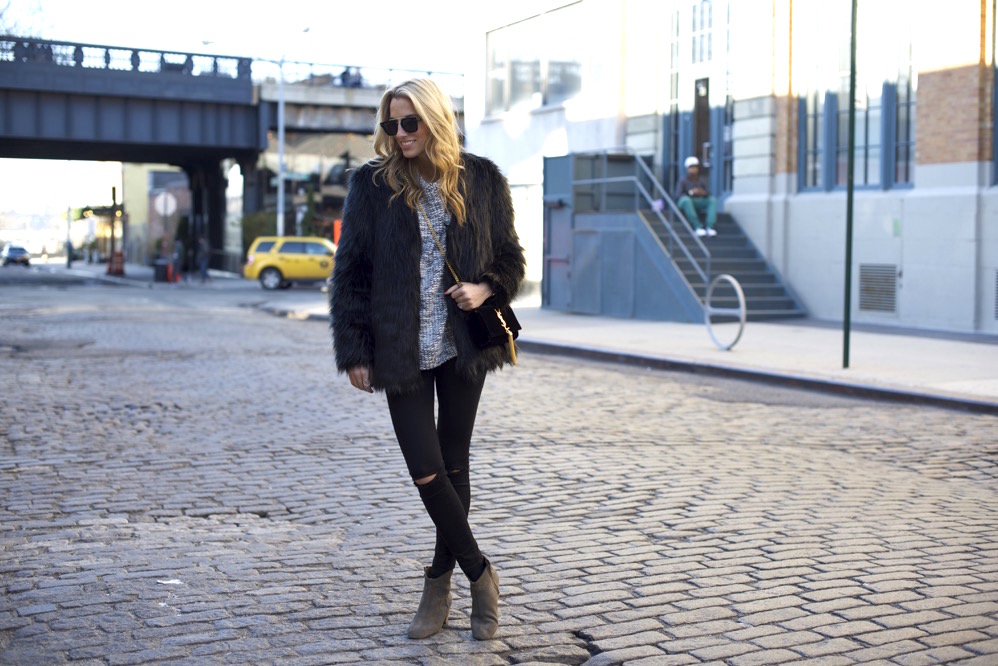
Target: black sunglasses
<point>409,124</point>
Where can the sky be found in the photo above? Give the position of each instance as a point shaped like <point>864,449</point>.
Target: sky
<point>427,35</point>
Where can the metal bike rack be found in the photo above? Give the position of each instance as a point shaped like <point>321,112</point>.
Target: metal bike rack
<point>740,311</point>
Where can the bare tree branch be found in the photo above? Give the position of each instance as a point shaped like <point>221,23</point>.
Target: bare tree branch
<point>12,24</point>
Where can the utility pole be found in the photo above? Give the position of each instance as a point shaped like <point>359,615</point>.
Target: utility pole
<point>69,237</point>
<point>850,172</point>
<point>114,210</point>
<point>280,148</point>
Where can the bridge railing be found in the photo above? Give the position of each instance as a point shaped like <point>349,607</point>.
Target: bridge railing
<point>351,76</point>
<point>95,56</point>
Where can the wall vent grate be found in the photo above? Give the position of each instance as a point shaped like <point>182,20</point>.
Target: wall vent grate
<point>878,287</point>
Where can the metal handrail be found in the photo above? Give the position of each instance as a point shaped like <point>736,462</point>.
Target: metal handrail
<point>702,268</point>
<point>741,311</point>
<point>14,49</point>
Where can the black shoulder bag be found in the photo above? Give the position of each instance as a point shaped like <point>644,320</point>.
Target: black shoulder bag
<point>491,324</point>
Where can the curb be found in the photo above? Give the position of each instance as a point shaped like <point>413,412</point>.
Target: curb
<point>99,277</point>
<point>789,380</point>
<point>147,283</point>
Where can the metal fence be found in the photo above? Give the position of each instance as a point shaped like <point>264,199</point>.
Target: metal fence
<point>95,56</point>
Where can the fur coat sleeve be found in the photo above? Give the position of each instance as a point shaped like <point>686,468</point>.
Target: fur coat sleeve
<point>374,301</point>
<point>350,296</point>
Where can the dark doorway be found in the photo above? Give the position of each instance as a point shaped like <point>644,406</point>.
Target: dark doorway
<point>701,123</point>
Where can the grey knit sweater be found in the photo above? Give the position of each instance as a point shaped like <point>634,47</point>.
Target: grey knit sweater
<point>436,340</point>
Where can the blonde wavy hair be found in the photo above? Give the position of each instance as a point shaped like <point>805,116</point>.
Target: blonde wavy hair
<point>443,146</point>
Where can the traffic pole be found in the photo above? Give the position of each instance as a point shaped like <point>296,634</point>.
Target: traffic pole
<point>850,173</point>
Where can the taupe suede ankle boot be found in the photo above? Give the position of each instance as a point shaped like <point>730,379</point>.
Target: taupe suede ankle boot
<point>485,604</point>
<point>434,605</point>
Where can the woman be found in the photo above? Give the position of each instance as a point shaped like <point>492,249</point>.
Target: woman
<point>397,321</point>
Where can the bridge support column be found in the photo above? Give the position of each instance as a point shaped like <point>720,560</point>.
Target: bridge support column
<point>252,192</point>
<point>208,211</point>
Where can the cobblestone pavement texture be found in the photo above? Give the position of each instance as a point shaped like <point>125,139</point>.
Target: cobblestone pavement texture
<point>185,479</point>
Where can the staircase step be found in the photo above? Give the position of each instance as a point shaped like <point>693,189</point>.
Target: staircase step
<point>779,303</point>
<point>767,315</point>
<point>772,290</point>
<point>745,279</point>
<point>733,253</point>
<point>732,266</point>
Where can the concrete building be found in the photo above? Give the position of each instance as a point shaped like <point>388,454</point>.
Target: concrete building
<point>155,198</point>
<point>758,89</point>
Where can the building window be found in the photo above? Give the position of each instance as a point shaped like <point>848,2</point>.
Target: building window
<point>812,139</point>
<point>904,126</point>
<point>884,139</point>
<point>904,143</point>
<point>535,62</point>
<point>672,159</point>
<point>866,168</point>
<point>703,31</point>
<point>728,175</point>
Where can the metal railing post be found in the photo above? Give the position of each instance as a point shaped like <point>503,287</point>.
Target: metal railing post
<point>670,216</point>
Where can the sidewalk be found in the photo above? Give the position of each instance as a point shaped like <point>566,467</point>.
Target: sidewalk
<point>928,368</point>
<point>136,275</point>
<point>924,367</point>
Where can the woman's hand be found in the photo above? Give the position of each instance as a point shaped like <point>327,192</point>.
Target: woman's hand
<point>470,295</point>
<point>360,377</point>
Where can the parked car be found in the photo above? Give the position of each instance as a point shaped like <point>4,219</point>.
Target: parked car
<point>279,261</point>
<point>15,254</point>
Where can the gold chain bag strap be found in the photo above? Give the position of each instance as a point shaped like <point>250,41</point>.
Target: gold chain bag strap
<point>490,324</point>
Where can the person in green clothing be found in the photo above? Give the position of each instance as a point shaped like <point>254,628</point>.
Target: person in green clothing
<point>694,199</point>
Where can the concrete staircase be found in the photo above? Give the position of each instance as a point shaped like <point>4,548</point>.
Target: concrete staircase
<point>733,253</point>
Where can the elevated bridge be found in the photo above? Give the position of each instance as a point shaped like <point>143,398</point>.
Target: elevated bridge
<point>75,101</point>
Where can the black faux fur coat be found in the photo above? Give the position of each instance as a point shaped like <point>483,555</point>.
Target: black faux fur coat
<point>374,302</point>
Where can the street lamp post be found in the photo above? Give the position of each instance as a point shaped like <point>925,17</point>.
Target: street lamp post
<point>280,137</point>
<point>280,147</point>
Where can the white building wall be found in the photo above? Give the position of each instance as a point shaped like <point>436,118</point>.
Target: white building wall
<point>944,241</point>
<point>987,246</point>
<point>518,140</point>
<point>942,233</point>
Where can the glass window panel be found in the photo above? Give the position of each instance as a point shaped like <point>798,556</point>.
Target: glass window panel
<point>524,63</point>
<point>860,131</point>
<point>873,166</point>
<point>841,167</point>
<point>292,247</point>
<point>565,53</point>
<point>497,71</point>
<point>901,166</point>
<point>873,127</point>
<point>813,139</point>
<point>525,81</point>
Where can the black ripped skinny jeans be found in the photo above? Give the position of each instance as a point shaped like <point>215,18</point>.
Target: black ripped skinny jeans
<point>441,447</point>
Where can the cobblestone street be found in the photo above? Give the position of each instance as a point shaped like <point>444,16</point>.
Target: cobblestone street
<point>185,479</point>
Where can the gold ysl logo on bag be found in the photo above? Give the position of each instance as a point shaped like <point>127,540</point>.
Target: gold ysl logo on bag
<point>505,326</point>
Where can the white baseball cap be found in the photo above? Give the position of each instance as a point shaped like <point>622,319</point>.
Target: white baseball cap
<point>691,161</point>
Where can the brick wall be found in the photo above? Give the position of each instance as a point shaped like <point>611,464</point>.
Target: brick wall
<point>953,117</point>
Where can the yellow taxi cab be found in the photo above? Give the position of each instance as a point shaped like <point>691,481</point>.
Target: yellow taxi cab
<point>279,261</point>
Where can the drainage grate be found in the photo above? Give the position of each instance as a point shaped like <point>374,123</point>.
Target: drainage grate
<point>878,287</point>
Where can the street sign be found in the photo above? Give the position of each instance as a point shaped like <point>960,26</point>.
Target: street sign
<point>165,204</point>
